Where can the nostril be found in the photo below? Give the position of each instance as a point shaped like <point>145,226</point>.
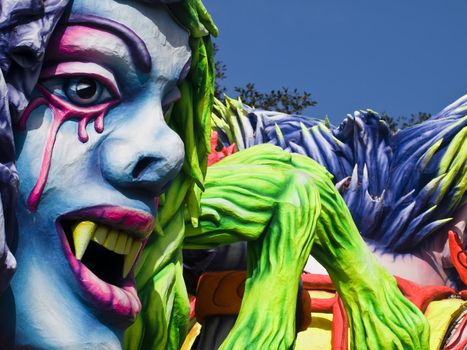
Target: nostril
<point>142,165</point>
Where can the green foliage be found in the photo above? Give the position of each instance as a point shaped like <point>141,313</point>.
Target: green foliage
<point>404,122</point>
<point>221,74</point>
<point>283,100</point>
<point>414,119</point>
<point>390,121</point>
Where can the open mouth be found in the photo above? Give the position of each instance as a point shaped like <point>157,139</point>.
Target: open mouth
<point>102,245</point>
<point>108,252</point>
<point>456,337</point>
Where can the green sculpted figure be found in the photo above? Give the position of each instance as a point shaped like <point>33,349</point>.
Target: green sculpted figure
<point>286,206</point>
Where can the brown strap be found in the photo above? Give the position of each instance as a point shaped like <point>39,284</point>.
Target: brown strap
<point>221,293</point>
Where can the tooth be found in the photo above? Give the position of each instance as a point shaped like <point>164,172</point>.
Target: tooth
<point>130,258</point>
<point>128,245</point>
<point>111,240</point>
<point>120,245</point>
<point>101,234</point>
<point>82,235</point>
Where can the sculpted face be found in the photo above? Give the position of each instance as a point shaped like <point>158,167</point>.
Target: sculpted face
<point>93,153</point>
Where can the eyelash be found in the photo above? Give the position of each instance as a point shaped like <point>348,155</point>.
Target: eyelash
<point>81,90</point>
<point>64,79</point>
<point>59,86</point>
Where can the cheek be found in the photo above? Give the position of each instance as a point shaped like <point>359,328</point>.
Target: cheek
<point>70,157</point>
<point>65,164</point>
<point>30,144</point>
<point>178,147</point>
<point>62,111</point>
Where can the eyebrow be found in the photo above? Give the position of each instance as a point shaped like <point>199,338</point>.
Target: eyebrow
<point>138,50</point>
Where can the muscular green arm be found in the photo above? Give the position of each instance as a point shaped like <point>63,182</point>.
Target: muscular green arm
<point>286,206</point>
<point>260,208</point>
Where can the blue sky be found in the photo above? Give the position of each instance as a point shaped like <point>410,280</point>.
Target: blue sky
<point>397,56</point>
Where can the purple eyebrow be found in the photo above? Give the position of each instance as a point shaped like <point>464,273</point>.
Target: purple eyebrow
<point>138,50</point>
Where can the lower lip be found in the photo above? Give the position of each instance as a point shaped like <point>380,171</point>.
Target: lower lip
<point>121,302</point>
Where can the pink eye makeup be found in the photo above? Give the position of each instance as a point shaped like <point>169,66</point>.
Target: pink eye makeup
<point>83,91</point>
<point>83,83</point>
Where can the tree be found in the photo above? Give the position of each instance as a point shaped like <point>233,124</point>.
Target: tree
<point>221,74</point>
<point>292,101</point>
<point>403,122</point>
<point>283,100</point>
<point>414,119</point>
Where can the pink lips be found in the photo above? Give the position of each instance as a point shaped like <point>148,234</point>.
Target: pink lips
<point>122,300</point>
<point>132,220</point>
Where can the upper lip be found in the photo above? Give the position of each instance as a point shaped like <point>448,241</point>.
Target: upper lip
<point>137,222</point>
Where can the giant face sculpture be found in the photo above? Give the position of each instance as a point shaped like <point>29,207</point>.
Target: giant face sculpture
<point>94,152</point>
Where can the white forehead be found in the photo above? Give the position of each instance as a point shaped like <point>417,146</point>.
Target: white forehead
<point>166,41</point>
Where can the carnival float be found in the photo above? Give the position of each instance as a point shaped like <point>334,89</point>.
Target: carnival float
<point>139,212</point>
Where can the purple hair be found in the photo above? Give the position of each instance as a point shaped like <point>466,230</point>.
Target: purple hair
<point>25,27</point>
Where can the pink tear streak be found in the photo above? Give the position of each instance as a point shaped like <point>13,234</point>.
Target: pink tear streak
<point>62,111</point>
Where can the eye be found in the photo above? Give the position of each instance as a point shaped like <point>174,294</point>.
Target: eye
<point>82,91</point>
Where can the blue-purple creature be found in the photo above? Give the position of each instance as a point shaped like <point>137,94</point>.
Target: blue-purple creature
<point>405,190</point>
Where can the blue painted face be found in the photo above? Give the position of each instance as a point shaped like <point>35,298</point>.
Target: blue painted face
<point>93,153</point>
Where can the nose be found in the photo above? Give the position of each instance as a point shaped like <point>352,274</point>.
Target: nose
<point>145,156</point>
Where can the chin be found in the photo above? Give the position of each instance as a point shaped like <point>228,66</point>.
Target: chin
<point>61,344</point>
<point>81,294</point>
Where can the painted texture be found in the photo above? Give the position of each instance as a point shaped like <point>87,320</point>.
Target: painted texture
<point>163,321</point>
<point>24,29</point>
<point>66,293</point>
<point>297,186</point>
<point>402,189</point>
<point>292,194</point>
<point>384,167</point>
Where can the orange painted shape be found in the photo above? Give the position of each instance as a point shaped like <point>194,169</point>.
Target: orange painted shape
<point>340,327</point>
<point>219,293</point>
<point>458,255</point>
<point>215,156</point>
<point>421,296</point>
